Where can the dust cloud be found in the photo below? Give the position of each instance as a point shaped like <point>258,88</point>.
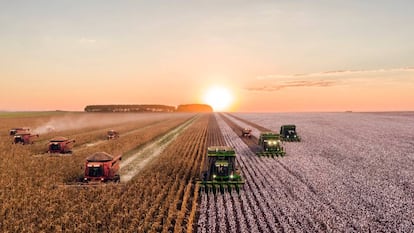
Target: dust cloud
<point>78,121</point>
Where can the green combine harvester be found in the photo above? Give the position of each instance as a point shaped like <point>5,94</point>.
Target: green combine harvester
<point>270,145</point>
<point>288,133</point>
<point>222,173</point>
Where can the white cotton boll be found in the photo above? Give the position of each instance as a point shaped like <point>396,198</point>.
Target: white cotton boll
<point>350,172</point>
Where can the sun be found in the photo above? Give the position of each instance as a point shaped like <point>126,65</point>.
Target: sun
<point>219,98</point>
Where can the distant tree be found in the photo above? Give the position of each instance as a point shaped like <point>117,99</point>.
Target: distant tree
<point>130,108</point>
<point>194,108</point>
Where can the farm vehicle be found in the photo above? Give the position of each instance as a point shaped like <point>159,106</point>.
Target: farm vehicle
<point>14,131</point>
<point>222,172</point>
<point>288,133</point>
<point>24,138</point>
<point>246,132</point>
<point>270,145</point>
<point>112,134</point>
<point>102,167</point>
<point>61,145</point>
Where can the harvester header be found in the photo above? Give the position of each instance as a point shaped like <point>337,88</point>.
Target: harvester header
<point>24,138</point>
<point>221,151</point>
<point>21,130</point>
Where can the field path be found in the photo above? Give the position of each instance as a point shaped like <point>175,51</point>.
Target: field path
<point>138,158</point>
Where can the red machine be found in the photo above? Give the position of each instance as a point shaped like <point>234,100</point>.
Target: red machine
<point>102,167</point>
<point>24,138</point>
<point>14,131</point>
<point>246,132</point>
<point>60,145</point>
<point>112,134</point>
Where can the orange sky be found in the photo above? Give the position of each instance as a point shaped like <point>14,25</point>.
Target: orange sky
<point>279,56</point>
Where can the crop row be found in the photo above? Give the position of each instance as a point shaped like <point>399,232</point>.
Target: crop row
<point>275,197</point>
<point>351,172</point>
<point>159,198</point>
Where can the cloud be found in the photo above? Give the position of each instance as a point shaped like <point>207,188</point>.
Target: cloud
<point>337,73</point>
<point>297,83</point>
<point>277,82</point>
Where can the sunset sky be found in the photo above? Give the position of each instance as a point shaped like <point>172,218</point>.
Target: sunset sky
<point>272,56</point>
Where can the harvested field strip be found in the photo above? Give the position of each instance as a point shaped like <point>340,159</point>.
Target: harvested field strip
<point>214,135</point>
<point>139,157</point>
<point>249,123</point>
<point>252,141</point>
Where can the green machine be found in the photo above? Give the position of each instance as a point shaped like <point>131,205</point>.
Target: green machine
<point>222,173</point>
<point>288,133</point>
<point>270,145</point>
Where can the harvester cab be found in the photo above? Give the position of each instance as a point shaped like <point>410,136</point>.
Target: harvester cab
<point>223,173</point>
<point>270,145</point>
<point>246,132</point>
<point>24,138</point>
<point>60,145</point>
<point>102,167</point>
<point>14,131</point>
<point>112,134</point>
<point>288,133</point>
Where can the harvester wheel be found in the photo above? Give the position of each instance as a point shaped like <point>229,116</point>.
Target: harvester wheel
<point>117,178</point>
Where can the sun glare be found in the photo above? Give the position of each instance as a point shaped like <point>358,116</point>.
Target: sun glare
<point>219,98</point>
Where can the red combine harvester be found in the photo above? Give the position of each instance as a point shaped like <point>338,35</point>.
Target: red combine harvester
<point>60,145</point>
<point>24,138</point>
<point>101,167</point>
<point>112,134</point>
<point>246,132</point>
<point>14,131</point>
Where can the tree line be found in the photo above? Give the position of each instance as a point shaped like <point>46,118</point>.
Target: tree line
<point>148,108</point>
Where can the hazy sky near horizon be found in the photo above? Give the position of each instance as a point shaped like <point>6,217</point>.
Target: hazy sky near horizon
<point>272,55</point>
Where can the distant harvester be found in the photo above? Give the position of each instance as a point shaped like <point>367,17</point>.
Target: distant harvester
<point>60,145</point>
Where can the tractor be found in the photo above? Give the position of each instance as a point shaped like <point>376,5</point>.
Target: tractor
<point>222,172</point>
<point>24,138</point>
<point>288,133</point>
<point>60,145</point>
<point>270,145</point>
<point>246,132</point>
<point>112,134</point>
<point>102,167</point>
<point>14,131</point>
